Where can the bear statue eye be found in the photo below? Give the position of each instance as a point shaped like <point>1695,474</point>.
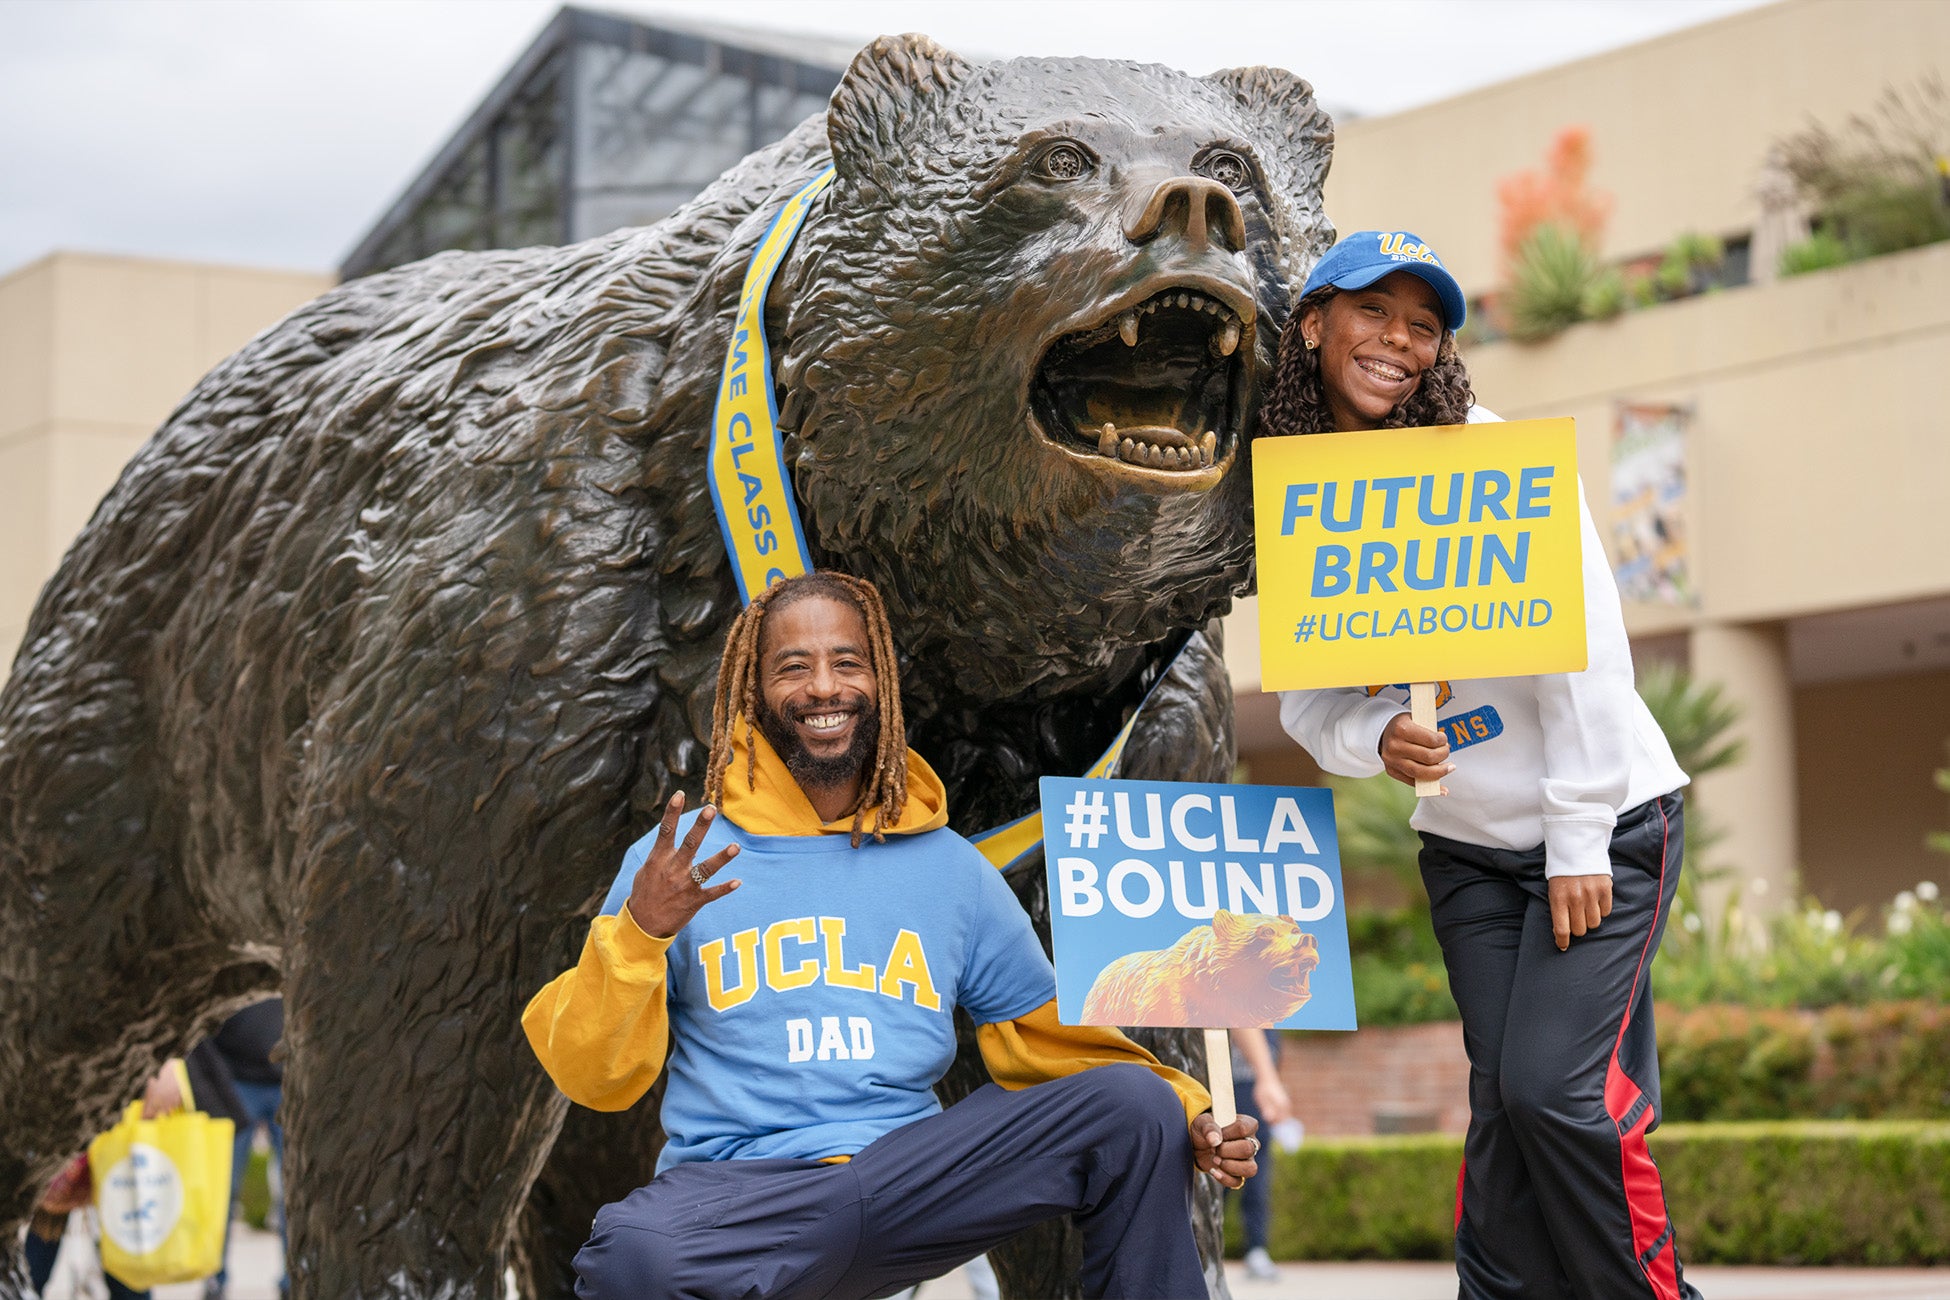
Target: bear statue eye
<point>1064,162</point>
<point>1227,168</point>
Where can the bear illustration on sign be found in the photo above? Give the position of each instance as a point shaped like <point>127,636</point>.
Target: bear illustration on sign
<point>407,620</point>
<point>1239,970</point>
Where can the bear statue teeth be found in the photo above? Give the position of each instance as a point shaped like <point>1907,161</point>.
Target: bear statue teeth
<point>1167,366</point>
<point>1154,455</point>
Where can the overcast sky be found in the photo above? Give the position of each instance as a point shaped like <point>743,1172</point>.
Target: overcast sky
<point>274,132</point>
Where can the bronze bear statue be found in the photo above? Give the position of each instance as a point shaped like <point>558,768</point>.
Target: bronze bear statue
<point>404,624</point>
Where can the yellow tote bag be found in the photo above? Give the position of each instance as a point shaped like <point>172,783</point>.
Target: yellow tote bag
<point>162,1187</point>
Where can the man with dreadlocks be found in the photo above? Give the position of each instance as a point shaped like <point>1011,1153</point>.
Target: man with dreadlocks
<point>804,1012</point>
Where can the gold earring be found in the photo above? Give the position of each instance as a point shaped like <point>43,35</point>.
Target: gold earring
<point>1311,345</point>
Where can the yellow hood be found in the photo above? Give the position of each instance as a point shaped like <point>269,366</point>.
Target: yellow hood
<point>779,807</point>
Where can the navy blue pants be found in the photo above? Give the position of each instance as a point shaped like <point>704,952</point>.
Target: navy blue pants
<point>1558,1196</point>
<point>1108,1145</point>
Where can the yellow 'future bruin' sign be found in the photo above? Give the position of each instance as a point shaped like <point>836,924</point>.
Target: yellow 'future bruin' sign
<point>1419,555</point>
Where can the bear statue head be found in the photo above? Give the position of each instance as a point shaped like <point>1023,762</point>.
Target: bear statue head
<point>1023,341</point>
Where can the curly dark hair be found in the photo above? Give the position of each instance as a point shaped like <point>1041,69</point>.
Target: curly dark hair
<point>1298,401</point>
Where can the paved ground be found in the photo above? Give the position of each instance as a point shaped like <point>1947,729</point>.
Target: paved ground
<point>257,1261</point>
<point>1438,1282</point>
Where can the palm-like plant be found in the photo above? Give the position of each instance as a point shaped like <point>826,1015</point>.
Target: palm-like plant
<point>1553,271</point>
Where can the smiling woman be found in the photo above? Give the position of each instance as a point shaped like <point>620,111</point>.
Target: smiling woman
<point>1374,346</point>
<point>1559,1033</point>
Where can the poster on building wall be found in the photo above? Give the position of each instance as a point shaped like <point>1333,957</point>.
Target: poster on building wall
<point>1648,504</point>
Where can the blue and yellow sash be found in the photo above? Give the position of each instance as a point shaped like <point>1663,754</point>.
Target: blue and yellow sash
<point>757,512</point>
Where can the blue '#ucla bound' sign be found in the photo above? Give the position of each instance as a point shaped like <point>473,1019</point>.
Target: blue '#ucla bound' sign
<point>1201,906</point>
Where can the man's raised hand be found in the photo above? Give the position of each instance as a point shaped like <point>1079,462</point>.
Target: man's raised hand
<point>1229,1154</point>
<point>672,885</point>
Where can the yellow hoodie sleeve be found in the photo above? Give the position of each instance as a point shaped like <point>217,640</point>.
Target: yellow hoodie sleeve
<point>601,1030</point>
<point>1038,1047</point>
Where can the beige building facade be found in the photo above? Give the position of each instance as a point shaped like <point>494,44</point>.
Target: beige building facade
<point>94,352</point>
<point>1817,446</point>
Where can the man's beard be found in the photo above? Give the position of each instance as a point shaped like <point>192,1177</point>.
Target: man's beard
<point>811,771</point>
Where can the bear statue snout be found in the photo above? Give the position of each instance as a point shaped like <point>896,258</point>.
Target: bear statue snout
<point>1197,210</point>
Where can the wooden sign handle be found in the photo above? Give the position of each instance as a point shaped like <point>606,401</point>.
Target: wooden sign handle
<point>1218,1075</point>
<point>1421,708</point>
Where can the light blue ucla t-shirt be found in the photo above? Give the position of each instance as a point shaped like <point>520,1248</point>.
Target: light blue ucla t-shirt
<point>812,1009</point>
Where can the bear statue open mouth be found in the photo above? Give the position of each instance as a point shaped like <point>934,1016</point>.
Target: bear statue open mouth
<point>1156,384</point>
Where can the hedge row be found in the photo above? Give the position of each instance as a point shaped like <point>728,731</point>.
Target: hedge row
<point>1888,1060</point>
<point>1805,1192</point>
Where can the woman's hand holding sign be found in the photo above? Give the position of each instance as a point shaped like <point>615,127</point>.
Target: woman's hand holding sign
<point>670,886</point>
<point>1229,1154</point>
<point>1410,752</point>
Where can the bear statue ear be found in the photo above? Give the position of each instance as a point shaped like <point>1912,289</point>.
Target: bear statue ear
<point>1298,135</point>
<point>886,88</point>
<point>1229,927</point>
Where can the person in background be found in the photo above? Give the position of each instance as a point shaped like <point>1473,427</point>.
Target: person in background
<point>73,1188</point>
<point>1551,858</point>
<point>243,1049</point>
<point>1257,1091</point>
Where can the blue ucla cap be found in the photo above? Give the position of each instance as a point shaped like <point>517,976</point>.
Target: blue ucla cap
<point>1367,255</point>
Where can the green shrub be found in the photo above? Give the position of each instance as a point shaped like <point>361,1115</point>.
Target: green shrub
<point>1889,1060</point>
<point>256,1191</point>
<point>1389,993</point>
<point>1689,264</point>
<point>1813,957</point>
<point>1366,1198</point>
<point>1811,1193</point>
<point>1605,296</point>
<point>1732,1062</point>
<point>1371,822</point>
<point>1399,978</point>
<point>1876,180</point>
<point>1880,217</point>
<point>1916,944</point>
<point>1817,252</point>
<point>1819,1193</point>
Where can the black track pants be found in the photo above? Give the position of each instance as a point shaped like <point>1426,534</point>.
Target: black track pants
<point>1558,1196</point>
<point>1108,1145</point>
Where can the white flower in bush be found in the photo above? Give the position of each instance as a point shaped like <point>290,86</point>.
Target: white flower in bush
<point>1927,891</point>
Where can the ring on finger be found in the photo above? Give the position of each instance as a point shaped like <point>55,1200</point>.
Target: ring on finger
<point>697,875</point>
<point>1255,1142</point>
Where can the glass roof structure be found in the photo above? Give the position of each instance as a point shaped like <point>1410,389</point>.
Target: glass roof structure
<point>605,121</point>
